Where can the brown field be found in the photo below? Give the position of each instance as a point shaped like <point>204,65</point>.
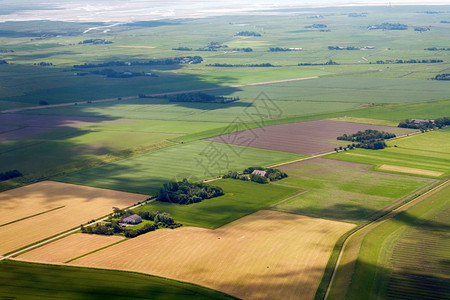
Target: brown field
<point>410,170</point>
<point>80,205</point>
<point>311,137</point>
<point>69,247</point>
<point>266,255</point>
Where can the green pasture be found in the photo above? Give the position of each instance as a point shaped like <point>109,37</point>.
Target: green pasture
<point>241,198</point>
<point>377,276</point>
<point>199,160</point>
<point>427,151</point>
<point>344,191</point>
<point>36,281</point>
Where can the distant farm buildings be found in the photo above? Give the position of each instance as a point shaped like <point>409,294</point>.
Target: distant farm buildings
<point>131,220</point>
<point>260,173</point>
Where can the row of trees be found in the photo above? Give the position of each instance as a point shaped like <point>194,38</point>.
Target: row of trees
<point>437,49</point>
<point>409,61</point>
<point>425,124</point>
<point>110,73</point>
<point>95,42</point>
<point>201,98</point>
<point>445,76</point>
<point>280,49</point>
<point>388,26</point>
<point>9,175</point>
<point>247,33</point>
<point>152,62</point>
<point>185,192</point>
<point>328,63</point>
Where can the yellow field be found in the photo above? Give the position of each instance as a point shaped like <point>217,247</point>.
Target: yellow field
<point>270,255</point>
<point>410,170</point>
<point>69,247</point>
<point>80,205</point>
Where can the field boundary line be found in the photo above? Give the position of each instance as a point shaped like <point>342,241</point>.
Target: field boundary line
<point>380,220</point>
<point>35,215</point>
<point>93,251</point>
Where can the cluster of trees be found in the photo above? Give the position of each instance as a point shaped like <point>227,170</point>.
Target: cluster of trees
<point>272,175</point>
<point>44,64</point>
<point>247,33</point>
<point>6,51</point>
<point>160,220</point>
<point>388,26</point>
<point>317,26</point>
<point>248,49</point>
<point>95,42</point>
<point>357,15</point>
<point>264,65</point>
<point>409,61</point>
<point>368,139</point>
<point>421,29</point>
<point>182,49</point>
<point>437,49</point>
<point>349,48</point>
<point>445,76</point>
<point>444,22</point>
<point>425,124</point>
<point>279,49</point>
<point>9,175</point>
<point>328,63</point>
<point>202,98</point>
<point>152,62</point>
<point>3,62</point>
<point>185,192</point>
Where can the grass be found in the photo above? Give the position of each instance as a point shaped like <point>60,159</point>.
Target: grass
<point>427,151</point>
<point>428,220</point>
<point>36,281</point>
<point>241,198</point>
<point>199,160</point>
<point>343,191</point>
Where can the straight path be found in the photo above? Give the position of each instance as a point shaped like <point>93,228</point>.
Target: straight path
<point>14,110</point>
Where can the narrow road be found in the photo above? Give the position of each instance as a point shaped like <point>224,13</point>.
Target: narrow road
<point>14,110</point>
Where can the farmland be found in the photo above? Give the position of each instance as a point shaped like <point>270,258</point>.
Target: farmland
<point>310,137</point>
<point>89,121</point>
<point>249,258</point>
<point>343,191</point>
<point>44,209</point>
<point>37,281</point>
<point>197,160</point>
<point>427,152</point>
<point>68,248</point>
<point>405,257</point>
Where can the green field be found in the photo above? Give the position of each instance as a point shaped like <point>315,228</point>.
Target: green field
<point>406,257</point>
<point>343,191</point>
<point>241,198</point>
<point>35,281</point>
<point>197,160</point>
<point>427,151</point>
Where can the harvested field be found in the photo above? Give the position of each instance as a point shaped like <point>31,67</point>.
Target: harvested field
<point>266,255</point>
<point>311,137</point>
<point>69,247</point>
<point>32,210</point>
<point>410,170</point>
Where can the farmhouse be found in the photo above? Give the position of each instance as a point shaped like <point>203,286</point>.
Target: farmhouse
<point>260,173</point>
<point>132,220</point>
<point>421,121</point>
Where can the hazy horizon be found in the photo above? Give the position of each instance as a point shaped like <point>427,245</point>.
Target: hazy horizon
<point>136,10</point>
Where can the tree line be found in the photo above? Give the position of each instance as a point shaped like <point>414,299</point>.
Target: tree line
<point>425,124</point>
<point>445,76</point>
<point>10,175</point>
<point>263,65</point>
<point>328,63</point>
<point>409,61</point>
<point>247,33</point>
